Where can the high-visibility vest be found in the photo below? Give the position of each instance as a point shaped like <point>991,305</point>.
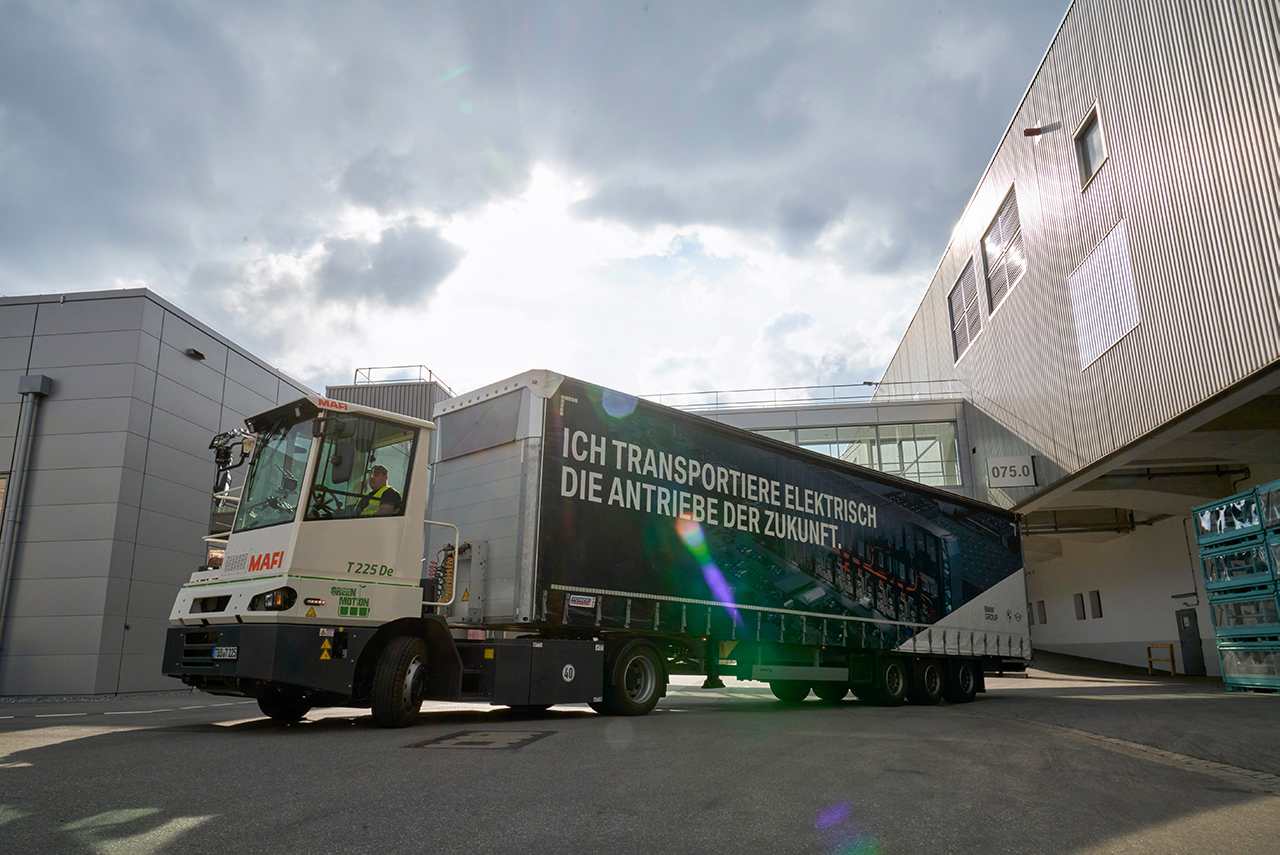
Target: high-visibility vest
<point>374,502</point>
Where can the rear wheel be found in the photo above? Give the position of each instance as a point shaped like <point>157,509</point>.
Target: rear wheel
<point>283,704</point>
<point>891,682</point>
<point>634,681</point>
<point>399,681</point>
<point>963,685</point>
<point>926,689</point>
<point>789,691</point>
<point>831,691</point>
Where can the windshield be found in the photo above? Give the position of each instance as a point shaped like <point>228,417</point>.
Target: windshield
<point>274,485</point>
<point>363,468</point>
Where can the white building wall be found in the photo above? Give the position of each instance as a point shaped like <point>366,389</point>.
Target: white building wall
<point>1137,575</point>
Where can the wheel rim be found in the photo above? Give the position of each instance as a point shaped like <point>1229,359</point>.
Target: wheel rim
<point>639,679</point>
<point>893,679</point>
<point>932,680</point>
<point>414,676</point>
<point>965,679</point>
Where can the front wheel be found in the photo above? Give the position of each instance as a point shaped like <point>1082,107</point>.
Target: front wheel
<point>634,683</point>
<point>283,705</point>
<point>399,681</point>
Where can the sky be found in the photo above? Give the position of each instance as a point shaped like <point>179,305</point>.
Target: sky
<point>653,196</point>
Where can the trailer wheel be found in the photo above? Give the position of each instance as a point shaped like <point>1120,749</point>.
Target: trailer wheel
<point>926,689</point>
<point>963,685</point>
<point>634,682</point>
<point>399,681</point>
<point>283,705</point>
<point>789,691</point>
<point>831,691</point>
<point>891,682</point>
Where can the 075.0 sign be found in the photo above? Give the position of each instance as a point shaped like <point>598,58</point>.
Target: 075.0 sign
<point>1011,471</point>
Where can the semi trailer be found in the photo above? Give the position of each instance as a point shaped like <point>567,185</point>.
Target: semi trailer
<point>545,540</point>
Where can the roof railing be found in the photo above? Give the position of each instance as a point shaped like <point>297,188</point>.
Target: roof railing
<point>811,396</point>
<point>401,374</point>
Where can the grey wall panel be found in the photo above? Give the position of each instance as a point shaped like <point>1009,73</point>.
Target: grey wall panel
<point>135,451</point>
<point>78,451</point>
<point>166,566</point>
<point>83,416</point>
<point>14,354</point>
<point>58,559</point>
<point>50,674</point>
<point>9,414</point>
<point>180,467</point>
<point>9,385</point>
<point>232,419</point>
<point>17,320</point>
<point>55,522</point>
<point>144,384</point>
<point>148,351</point>
<point>141,673</point>
<point>170,532</point>
<point>145,637</point>
<point>153,318</point>
<point>241,399</point>
<point>167,497</point>
<point>151,600</point>
<point>74,486</point>
<point>181,434</point>
<point>94,315</point>
<point>45,636</point>
<point>180,335</point>
<point>58,597</point>
<point>180,401</point>
<point>195,375</point>
<point>126,522</point>
<point>252,376</point>
<point>92,381</point>
<point>92,348</point>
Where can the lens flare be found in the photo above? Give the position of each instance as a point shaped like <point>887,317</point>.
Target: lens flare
<point>617,404</point>
<point>696,542</point>
<point>843,833</point>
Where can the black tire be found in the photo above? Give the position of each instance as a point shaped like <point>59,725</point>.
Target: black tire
<point>963,685</point>
<point>283,704</point>
<point>891,682</point>
<point>929,684</point>
<point>831,691</point>
<point>789,691</point>
<point>399,681</point>
<point>634,681</point>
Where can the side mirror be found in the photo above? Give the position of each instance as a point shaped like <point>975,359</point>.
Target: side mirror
<point>342,462</point>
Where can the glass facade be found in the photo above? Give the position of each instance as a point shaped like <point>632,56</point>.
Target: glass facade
<point>924,452</point>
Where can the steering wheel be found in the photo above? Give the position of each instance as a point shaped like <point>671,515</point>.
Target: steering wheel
<point>324,503</point>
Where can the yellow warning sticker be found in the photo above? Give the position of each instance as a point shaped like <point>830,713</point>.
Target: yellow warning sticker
<point>311,612</point>
<point>466,594</point>
<point>488,653</point>
<point>324,654</point>
<point>326,645</point>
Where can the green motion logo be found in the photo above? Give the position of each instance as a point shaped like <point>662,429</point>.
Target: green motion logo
<point>350,605</point>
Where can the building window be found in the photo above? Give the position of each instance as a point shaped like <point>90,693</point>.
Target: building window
<point>1079,606</point>
<point>1003,252</point>
<point>966,317</point>
<point>1040,611</point>
<point>1090,151</point>
<point>1095,604</point>
<point>927,453</point>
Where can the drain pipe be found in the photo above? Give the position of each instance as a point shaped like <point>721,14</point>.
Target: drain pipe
<point>32,387</point>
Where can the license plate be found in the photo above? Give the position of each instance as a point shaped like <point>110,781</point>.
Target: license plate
<point>226,652</point>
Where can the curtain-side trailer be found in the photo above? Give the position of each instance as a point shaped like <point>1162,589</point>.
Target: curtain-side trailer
<point>590,544</point>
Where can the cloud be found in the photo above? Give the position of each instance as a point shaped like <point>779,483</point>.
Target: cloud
<point>405,265</point>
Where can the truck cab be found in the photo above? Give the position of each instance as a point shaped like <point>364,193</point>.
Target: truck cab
<point>321,567</point>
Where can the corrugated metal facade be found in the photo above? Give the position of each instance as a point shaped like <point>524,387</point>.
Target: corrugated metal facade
<point>1189,105</point>
<point>416,398</point>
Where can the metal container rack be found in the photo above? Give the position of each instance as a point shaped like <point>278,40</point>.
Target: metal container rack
<point>1239,540</point>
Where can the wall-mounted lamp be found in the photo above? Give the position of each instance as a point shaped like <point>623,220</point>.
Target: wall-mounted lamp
<point>195,354</point>
<point>1037,130</point>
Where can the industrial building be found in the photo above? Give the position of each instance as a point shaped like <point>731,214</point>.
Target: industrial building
<point>1109,309</point>
<point>122,392</point>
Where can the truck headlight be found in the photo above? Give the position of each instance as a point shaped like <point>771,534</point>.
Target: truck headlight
<point>281,599</point>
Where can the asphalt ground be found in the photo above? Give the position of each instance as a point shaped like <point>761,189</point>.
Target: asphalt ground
<point>1072,758</point>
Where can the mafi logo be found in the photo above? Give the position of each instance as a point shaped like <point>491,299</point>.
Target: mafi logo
<point>266,561</point>
<point>333,405</point>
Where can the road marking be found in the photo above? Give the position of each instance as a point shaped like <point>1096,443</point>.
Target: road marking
<point>134,712</point>
<point>6,716</point>
<point>202,706</point>
<point>509,739</point>
<point>60,715</point>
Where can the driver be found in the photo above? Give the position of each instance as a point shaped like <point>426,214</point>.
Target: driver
<point>381,501</point>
